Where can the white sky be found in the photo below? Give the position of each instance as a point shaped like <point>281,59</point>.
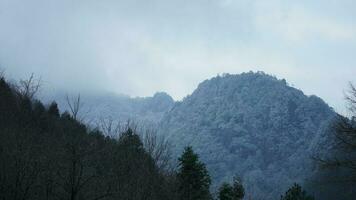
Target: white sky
<point>138,47</point>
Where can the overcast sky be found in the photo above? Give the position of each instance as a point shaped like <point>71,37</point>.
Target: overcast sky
<point>138,47</point>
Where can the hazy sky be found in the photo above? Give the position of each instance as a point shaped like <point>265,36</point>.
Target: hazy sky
<point>137,47</point>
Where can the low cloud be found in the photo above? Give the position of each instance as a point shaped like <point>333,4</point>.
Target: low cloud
<point>299,25</point>
<point>140,47</point>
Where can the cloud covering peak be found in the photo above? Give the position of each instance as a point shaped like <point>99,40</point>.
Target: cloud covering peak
<point>140,47</point>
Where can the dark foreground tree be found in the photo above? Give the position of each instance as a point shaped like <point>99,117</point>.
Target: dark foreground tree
<point>238,189</point>
<point>235,191</point>
<point>344,129</point>
<point>193,178</point>
<point>336,177</point>
<point>296,193</point>
<point>226,192</point>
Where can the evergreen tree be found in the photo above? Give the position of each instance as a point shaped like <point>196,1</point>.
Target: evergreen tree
<point>238,189</point>
<point>234,192</point>
<point>53,109</point>
<point>193,177</point>
<point>226,192</point>
<point>296,193</point>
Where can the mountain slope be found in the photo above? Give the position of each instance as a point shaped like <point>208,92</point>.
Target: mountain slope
<point>253,125</point>
<point>95,107</point>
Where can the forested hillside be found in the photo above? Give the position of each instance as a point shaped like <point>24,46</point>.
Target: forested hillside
<point>253,125</point>
<point>45,154</point>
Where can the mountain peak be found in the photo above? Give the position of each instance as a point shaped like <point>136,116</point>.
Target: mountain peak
<point>247,78</point>
<point>163,96</point>
<point>252,124</point>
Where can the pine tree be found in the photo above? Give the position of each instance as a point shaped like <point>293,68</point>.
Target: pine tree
<point>193,177</point>
<point>53,109</point>
<point>296,193</point>
<point>226,192</point>
<point>238,189</point>
<point>232,192</point>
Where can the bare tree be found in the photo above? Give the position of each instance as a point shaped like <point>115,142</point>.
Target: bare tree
<point>74,105</point>
<point>109,127</point>
<point>344,129</point>
<point>29,88</point>
<point>78,110</point>
<point>156,145</point>
<point>159,148</point>
<point>2,73</point>
<point>351,99</point>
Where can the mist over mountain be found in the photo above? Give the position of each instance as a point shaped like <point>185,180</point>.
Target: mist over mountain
<point>95,107</point>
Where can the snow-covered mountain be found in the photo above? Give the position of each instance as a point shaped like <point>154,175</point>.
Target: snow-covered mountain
<point>252,125</point>
<point>120,108</point>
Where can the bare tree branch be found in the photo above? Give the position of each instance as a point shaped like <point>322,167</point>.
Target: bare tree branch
<point>2,73</point>
<point>350,97</point>
<point>159,148</point>
<point>109,126</point>
<point>344,130</point>
<point>30,87</point>
<point>74,105</point>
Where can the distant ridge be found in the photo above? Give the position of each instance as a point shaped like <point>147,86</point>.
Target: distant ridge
<point>144,110</point>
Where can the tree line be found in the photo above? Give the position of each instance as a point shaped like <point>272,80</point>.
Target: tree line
<point>45,154</point>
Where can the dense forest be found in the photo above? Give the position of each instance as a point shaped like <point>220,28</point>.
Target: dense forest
<point>45,154</point>
<point>49,154</point>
